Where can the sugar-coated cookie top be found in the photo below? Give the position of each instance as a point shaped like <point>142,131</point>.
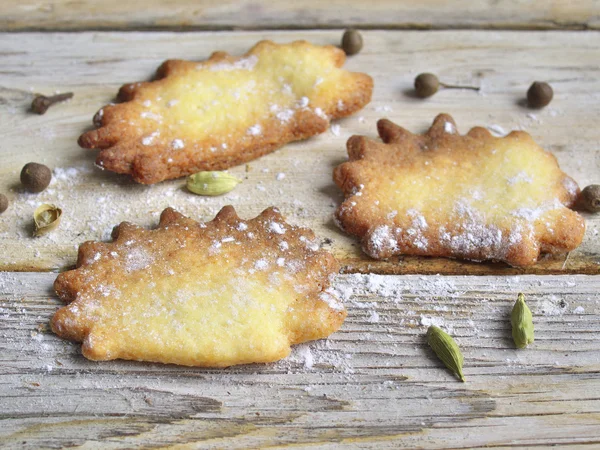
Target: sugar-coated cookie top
<point>443,194</point>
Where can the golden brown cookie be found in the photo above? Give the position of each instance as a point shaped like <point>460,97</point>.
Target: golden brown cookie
<point>224,111</point>
<point>442,194</point>
<point>210,294</point>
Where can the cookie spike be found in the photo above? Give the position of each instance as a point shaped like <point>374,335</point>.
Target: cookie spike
<point>67,285</point>
<point>89,252</point>
<point>271,213</point>
<point>101,137</point>
<point>118,159</point>
<point>127,92</point>
<point>169,216</point>
<point>63,319</point>
<point>442,124</point>
<point>356,146</point>
<point>480,133</point>
<point>227,215</point>
<point>124,231</point>
<point>389,132</point>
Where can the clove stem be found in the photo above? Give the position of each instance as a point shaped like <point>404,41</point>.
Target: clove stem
<point>41,103</point>
<point>454,86</point>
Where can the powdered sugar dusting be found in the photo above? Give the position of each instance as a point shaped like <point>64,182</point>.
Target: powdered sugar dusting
<point>247,63</point>
<point>255,130</point>
<point>380,241</point>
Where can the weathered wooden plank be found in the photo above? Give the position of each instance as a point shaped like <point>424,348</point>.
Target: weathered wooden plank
<point>94,65</point>
<point>374,384</point>
<point>256,14</point>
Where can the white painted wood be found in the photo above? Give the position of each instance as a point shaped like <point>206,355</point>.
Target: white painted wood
<point>374,384</point>
<point>253,14</point>
<point>94,65</point>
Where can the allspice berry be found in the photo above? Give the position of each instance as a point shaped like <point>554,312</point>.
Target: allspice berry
<point>426,84</point>
<point>590,198</point>
<point>3,203</point>
<point>35,177</point>
<point>539,94</point>
<point>352,42</point>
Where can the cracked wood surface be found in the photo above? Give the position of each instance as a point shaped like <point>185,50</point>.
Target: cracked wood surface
<point>298,177</point>
<point>259,14</point>
<point>374,384</point>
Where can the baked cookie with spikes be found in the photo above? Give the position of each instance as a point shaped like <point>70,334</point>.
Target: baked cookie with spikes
<point>213,294</point>
<point>475,196</point>
<point>224,111</point>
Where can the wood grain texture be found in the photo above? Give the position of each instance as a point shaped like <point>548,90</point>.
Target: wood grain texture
<point>260,14</point>
<point>296,178</point>
<point>375,384</point>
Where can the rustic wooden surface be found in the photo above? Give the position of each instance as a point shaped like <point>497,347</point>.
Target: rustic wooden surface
<point>374,384</point>
<point>84,15</point>
<point>94,65</point>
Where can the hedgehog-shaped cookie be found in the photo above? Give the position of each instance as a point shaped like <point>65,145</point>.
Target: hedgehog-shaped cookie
<point>442,194</point>
<point>224,111</point>
<point>210,294</point>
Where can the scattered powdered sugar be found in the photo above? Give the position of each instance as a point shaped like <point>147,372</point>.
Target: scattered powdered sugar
<point>276,227</point>
<point>329,297</point>
<point>532,214</point>
<point>383,108</point>
<point>303,351</point>
<point>521,177</point>
<point>69,174</point>
<point>150,115</point>
<point>319,112</point>
<point>571,187</point>
<point>137,258</point>
<point>247,63</point>
<point>255,130</point>
<point>280,176</point>
<point>177,144</point>
<point>335,129</point>
<point>427,321</point>
<point>373,317</point>
<point>303,102</point>
<point>285,115</point>
<point>261,264</point>
<point>380,241</point>
<point>552,305</point>
<point>449,127</point>
<point>149,140</point>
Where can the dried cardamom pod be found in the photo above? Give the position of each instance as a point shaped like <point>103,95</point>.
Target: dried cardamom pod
<point>45,218</point>
<point>522,323</point>
<point>446,349</point>
<point>211,183</point>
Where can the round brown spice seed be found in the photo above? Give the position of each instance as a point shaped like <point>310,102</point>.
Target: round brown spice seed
<point>590,198</point>
<point>35,177</point>
<point>352,42</point>
<point>539,94</point>
<point>426,84</point>
<point>3,203</point>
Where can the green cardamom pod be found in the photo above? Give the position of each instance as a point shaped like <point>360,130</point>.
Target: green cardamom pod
<point>211,183</point>
<point>45,218</point>
<point>522,323</point>
<point>446,349</point>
